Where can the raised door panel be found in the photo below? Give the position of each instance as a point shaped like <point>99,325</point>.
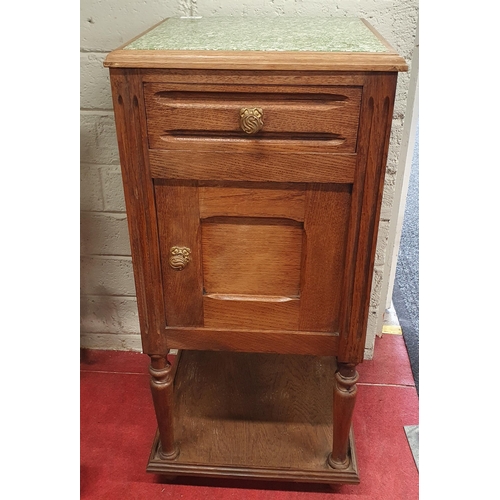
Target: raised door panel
<point>260,256</point>
<point>251,256</point>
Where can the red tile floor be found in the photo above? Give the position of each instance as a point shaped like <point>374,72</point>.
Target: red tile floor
<point>118,425</point>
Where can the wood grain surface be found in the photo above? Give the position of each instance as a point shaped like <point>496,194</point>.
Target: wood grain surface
<point>237,60</point>
<point>252,200</point>
<point>325,235</point>
<point>207,116</point>
<point>250,77</point>
<point>254,415</point>
<point>179,225</point>
<point>254,256</point>
<point>249,268</point>
<point>253,340</point>
<point>374,133</point>
<point>251,311</point>
<point>130,119</point>
<point>248,163</point>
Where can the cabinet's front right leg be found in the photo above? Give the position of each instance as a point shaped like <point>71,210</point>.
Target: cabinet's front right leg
<point>344,397</point>
<point>163,394</point>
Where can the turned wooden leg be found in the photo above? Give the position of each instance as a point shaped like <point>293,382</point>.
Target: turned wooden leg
<point>344,397</point>
<point>163,392</point>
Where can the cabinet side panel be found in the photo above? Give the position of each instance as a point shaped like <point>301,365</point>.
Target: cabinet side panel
<point>375,128</point>
<point>130,121</point>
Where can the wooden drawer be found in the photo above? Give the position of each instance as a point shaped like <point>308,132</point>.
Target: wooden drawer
<point>308,134</point>
<point>208,117</point>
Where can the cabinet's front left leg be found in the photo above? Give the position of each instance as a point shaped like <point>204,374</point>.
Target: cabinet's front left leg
<point>344,397</point>
<point>163,394</point>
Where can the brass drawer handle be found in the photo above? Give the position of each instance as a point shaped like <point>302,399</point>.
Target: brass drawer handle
<point>179,258</point>
<point>251,120</point>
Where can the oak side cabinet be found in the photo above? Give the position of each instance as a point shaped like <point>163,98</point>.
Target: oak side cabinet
<point>253,154</point>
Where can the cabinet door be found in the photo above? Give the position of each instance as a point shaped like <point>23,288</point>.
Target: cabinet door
<point>249,255</point>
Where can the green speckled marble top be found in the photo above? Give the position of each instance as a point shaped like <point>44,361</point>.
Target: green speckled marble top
<point>334,34</point>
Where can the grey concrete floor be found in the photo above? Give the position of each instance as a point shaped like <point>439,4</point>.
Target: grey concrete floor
<point>406,286</point>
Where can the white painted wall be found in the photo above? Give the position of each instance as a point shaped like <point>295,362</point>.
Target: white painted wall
<point>108,305</point>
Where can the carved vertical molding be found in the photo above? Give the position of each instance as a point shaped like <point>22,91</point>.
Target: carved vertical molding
<point>373,139</point>
<point>163,394</point>
<point>344,398</point>
<point>141,212</point>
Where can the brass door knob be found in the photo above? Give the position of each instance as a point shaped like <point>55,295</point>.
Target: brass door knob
<point>179,258</point>
<point>251,120</point>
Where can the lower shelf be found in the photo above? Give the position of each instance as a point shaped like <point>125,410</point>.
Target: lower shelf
<point>254,416</point>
